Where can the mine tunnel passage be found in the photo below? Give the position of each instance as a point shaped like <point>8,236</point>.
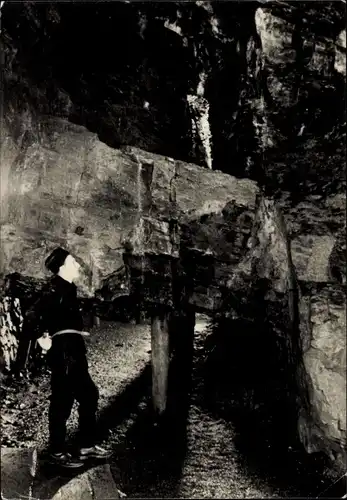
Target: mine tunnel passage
<point>230,408</point>
<point>227,419</point>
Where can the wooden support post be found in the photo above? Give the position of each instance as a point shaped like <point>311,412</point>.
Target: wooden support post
<point>160,361</point>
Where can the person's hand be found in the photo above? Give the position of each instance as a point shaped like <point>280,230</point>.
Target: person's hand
<point>85,334</point>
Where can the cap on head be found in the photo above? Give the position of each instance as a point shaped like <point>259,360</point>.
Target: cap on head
<point>56,259</point>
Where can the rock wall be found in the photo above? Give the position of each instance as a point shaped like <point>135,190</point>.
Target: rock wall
<point>208,233</point>
<point>59,191</point>
<point>298,45</point>
<point>255,91</point>
<point>61,185</point>
<point>248,89</point>
<point>248,260</point>
<point>307,316</point>
<point>323,337</point>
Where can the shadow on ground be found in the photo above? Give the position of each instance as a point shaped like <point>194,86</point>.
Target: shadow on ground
<point>245,381</point>
<point>238,376</point>
<point>148,461</point>
<point>148,458</point>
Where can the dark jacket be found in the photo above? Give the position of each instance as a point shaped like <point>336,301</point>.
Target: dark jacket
<point>57,309</point>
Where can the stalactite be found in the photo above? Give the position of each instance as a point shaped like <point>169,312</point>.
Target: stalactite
<point>198,104</point>
<point>200,108</point>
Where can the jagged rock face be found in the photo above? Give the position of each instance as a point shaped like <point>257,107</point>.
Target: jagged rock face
<point>59,191</point>
<point>61,185</point>
<point>246,89</point>
<point>297,60</point>
<point>323,331</point>
<point>316,228</point>
<point>255,91</point>
<point>340,53</point>
<point>228,261</point>
<point>308,319</point>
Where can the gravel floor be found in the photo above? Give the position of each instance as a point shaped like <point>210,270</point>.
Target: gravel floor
<point>117,353</point>
<point>203,464</point>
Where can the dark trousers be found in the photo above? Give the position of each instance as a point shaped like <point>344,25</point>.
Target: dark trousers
<point>66,389</point>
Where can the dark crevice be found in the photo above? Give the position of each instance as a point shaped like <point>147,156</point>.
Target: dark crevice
<point>147,178</point>
<point>247,381</point>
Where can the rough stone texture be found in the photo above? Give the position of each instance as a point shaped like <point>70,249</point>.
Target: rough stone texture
<point>311,255</point>
<point>316,229</point>
<point>271,76</point>
<point>115,285</point>
<point>94,484</point>
<point>200,248</point>
<point>22,477</point>
<point>66,187</point>
<point>323,331</point>
<point>275,36</point>
<point>274,81</point>
<point>79,488</point>
<point>102,483</point>
<point>11,321</point>
<point>259,280</point>
<point>297,59</point>
<point>316,354</point>
<point>213,228</point>
<point>15,473</point>
<point>292,74</point>
<point>340,53</point>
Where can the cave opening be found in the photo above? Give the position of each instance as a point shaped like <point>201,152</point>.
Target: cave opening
<point>238,371</point>
<point>230,378</point>
<point>246,381</point>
